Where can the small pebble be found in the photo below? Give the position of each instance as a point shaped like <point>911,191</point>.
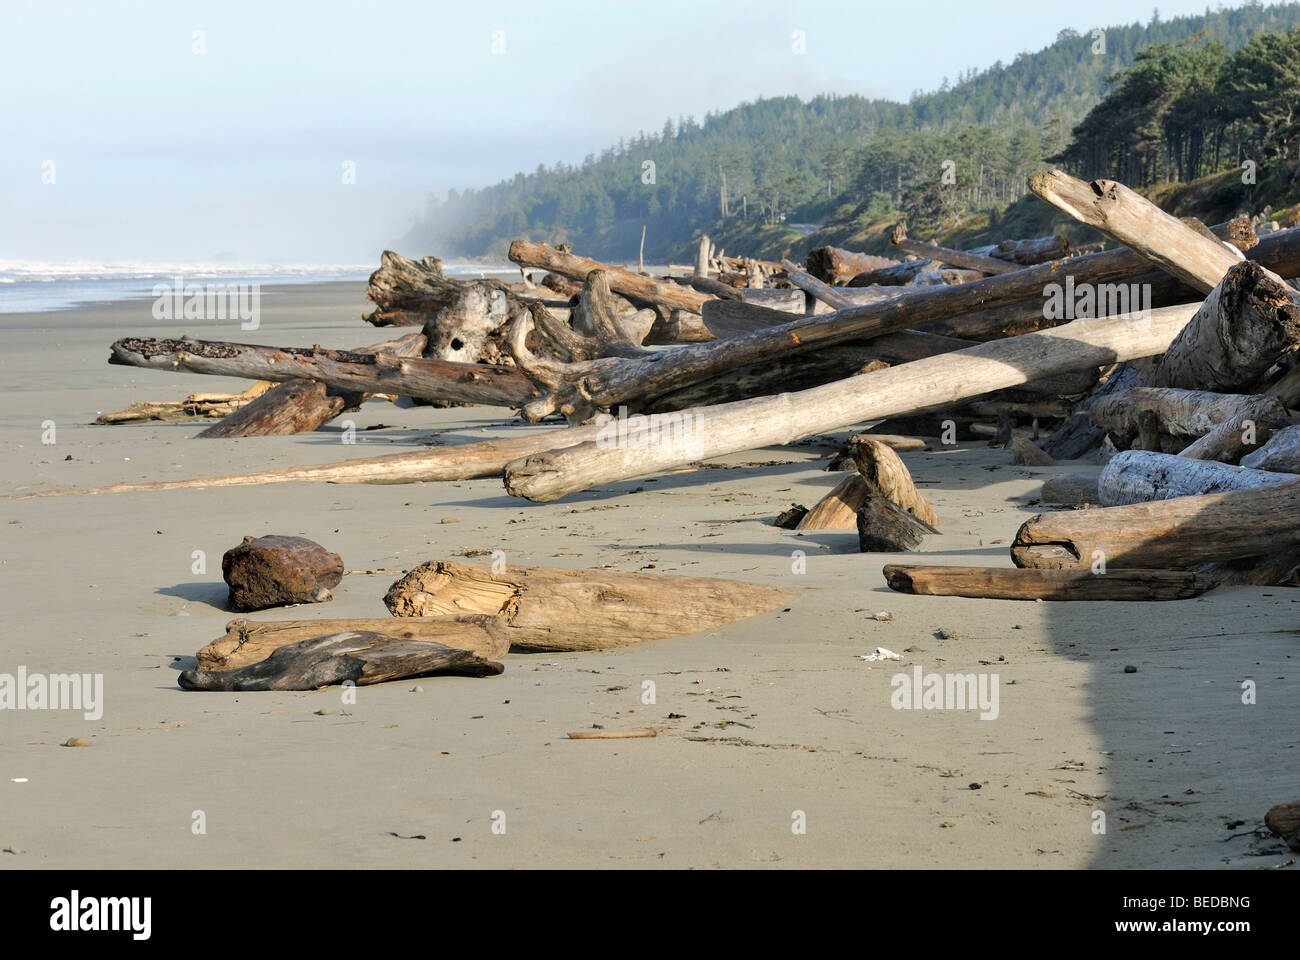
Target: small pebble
<point>451,519</point>
<point>324,712</point>
<point>975,786</point>
<point>76,742</point>
<point>179,613</point>
<point>1130,669</point>
<point>883,615</point>
<point>417,689</point>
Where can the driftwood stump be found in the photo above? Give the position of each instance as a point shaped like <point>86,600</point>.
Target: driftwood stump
<point>273,571</point>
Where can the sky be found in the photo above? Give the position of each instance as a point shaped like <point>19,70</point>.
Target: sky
<point>290,133</point>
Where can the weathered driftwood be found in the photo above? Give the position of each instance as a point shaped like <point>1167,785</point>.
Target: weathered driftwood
<point>295,406</point>
<point>1281,453</point>
<point>552,609</point>
<point>195,406</point>
<point>885,473</point>
<point>405,292</point>
<point>248,642</point>
<point>1027,253</point>
<point>998,583</point>
<point>638,734</point>
<point>1069,489</point>
<point>272,571</point>
<point>842,459</point>
<point>1254,423</point>
<point>1182,533</point>
<point>1248,322</point>
<point>1115,210</point>
<point>356,656</point>
<point>668,295</point>
<point>348,370</point>
<point>833,265</point>
<point>885,527</point>
<point>1182,413</point>
<point>957,258</point>
<point>894,275</point>
<point>1138,476</point>
<point>964,374</point>
<point>838,510</point>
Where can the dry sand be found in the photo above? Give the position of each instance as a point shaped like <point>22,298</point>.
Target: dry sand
<point>759,720</point>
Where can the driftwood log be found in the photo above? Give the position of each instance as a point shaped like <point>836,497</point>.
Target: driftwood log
<point>669,295</point>
<point>294,406</point>
<point>998,583</point>
<point>834,266</point>
<point>552,609</point>
<point>885,527</point>
<point>1139,476</point>
<point>1182,533</point>
<point>354,656</point>
<point>206,406</point>
<point>1281,453</point>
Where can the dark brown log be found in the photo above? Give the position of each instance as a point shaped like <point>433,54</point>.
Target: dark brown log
<point>833,265</point>
<point>272,571</point>
<point>552,609</point>
<point>885,527</point>
<point>1182,533</point>
<point>247,642</point>
<point>345,370</point>
<point>295,406</point>
<point>1026,453</point>
<point>996,583</point>
<point>358,657</point>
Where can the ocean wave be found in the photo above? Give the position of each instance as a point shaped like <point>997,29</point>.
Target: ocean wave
<point>89,271</point>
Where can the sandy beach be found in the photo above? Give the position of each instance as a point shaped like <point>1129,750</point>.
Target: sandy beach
<point>759,721</point>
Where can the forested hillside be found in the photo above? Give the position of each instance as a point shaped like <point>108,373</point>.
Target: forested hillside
<point>1176,99</point>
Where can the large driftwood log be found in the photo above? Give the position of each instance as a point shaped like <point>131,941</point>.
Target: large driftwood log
<point>1138,476</point>
<point>734,427</point>
<point>1136,222</point>
<point>356,656</point>
<point>997,583</point>
<point>246,642</point>
<point>955,258</point>
<point>833,265</point>
<point>552,609</point>
<point>1069,489</point>
<point>1182,533</point>
<point>1281,453</point>
<point>894,275</point>
<point>668,295</point>
<point>1027,253</point>
<point>349,370</point>
<point>1181,413</point>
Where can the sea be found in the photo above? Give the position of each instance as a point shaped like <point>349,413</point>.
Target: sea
<point>28,286</point>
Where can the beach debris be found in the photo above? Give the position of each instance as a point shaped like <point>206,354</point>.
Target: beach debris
<point>271,571</point>
<point>548,608</point>
<point>1284,820</point>
<point>613,734</point>
<point>196,406</point>
<point>76,742</point>
<point>880,654</point>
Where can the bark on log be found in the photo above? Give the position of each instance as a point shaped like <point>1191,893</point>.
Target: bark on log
<point>357,656</point>
<point>1182,533</point>
<point>729,428</point>
<point>997,583</point>
<point>295,406</point>
<point>1139,224</point>
<point>1140,476</point>
<point>247,642</point>
<point>669,295</point>
<point>552,609</point>
<point>348,370</point>
<point>273,571</point>
<point>1281,453</point>
<point>833,265</point>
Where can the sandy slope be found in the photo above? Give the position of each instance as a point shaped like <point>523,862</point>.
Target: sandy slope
<point>778,713</point>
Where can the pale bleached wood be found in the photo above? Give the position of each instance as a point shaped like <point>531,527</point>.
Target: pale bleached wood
<point>838,510</point>
<point>1254,423</point>
<point>1139,476</point>
<point>669,295</point>
<point>1139,224</point>
<point>1182,534</point>
<point>885,473</point>
<point>1281,453</point>
<point>956,258</point>
<point>964,374</point>
<point>548,608</point>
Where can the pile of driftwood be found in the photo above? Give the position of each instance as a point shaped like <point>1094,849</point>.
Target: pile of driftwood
<point>1172,356</point>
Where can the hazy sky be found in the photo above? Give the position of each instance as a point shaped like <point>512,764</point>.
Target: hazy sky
<point>159,152</point>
